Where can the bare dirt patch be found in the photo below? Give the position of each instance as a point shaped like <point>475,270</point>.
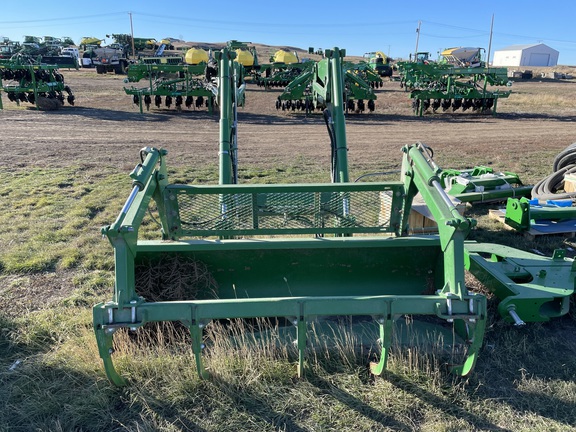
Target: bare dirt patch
<point>105,130</point>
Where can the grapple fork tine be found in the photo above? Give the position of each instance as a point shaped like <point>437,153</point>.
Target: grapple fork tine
<point>105,341</point>
<point>301,342</point>
<point>385,340</point>
<point>197,346</point>
<point>475,336</point>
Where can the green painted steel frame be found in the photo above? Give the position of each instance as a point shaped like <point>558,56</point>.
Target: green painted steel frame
<point>187,84</point>
<point>520,214</point>
<point>317,85</point>
<point>452,303</point>
<point>474,185</point>
<point>175,229</point>
<point>443,81</point>
<point>532,288</point>
<point>32,85</point>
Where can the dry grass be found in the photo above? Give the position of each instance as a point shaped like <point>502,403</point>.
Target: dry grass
<point>170,278</point>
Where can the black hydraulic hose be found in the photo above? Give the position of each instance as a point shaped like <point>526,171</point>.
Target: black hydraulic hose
<point>334,154</point>
<point>565,157</point>
<point>547,188</point>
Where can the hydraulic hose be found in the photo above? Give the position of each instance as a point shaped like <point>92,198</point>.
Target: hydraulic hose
<point>333,153</point>
<point>548,187</point>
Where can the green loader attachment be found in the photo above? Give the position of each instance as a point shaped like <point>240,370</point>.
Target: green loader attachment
<point>300,252</point>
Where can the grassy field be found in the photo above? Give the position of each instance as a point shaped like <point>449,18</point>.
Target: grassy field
<point>54,267</point>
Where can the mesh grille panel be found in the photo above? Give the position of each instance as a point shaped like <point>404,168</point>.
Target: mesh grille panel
<point>255,212</point>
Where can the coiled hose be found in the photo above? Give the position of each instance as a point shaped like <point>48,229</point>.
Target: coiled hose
<point>547,188</point>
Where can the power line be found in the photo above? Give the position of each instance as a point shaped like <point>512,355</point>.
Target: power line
<point>189,22</point>
<point>62,18</point>
<point>497,33</point>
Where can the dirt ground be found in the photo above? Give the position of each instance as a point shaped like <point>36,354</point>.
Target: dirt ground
<point>105,130</point>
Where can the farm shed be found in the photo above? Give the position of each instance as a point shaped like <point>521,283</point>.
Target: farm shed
<point>526,55</point>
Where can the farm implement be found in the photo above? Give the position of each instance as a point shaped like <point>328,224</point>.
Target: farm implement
<point>191,85</point>
<point>366,73</point>
<point>313,88</point>
<point>302,252</point>
<point>280,74</point>
<point>460,81</point>
<point>39,84</point>
<point>379,63</point>
<point>178,84</point>
<point>522,213</point>
<point>283,68</point>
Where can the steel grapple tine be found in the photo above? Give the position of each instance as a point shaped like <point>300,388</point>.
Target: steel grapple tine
<point>474,336</point>
<point>385,341</point>
<point>301,336</point>
<point>197,347</point>
<point>105,342</point>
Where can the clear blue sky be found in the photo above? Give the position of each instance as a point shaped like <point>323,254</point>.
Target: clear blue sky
<point>359,27</point>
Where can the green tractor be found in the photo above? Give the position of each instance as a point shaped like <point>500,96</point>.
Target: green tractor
<point>380,63</point>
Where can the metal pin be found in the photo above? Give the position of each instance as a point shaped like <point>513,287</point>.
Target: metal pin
<point>516,318</point>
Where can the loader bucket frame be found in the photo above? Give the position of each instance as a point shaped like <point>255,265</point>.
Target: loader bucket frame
<point>303,251</point>
<point>343,257</point>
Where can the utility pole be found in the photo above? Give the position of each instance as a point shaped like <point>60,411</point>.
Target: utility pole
<point>417,38</point>
<point>132,35</point>
<point>490,43</point>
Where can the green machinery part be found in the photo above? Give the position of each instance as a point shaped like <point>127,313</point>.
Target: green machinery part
<point>379,63</point>
<point>26,81</point>
<point>178,84</point>
<point>481,184</point>
<point>434,86</point>
<point>312,89</point>
<point>521,214</point>
<point>303,251</point>
<point>366,73</point>
<point>279,74</point>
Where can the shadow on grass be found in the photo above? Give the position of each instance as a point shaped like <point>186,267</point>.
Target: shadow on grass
<point>444,405</point>
<point>254,404</point>
<point>528,367</point>
<point>39,393</point>
<point>357,405</point>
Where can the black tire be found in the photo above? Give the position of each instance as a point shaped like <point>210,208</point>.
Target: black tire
<point>120,68</point>
<point>100,69</point>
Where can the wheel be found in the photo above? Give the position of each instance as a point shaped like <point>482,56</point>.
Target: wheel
<point>120,68</point>
<point>100,69</point>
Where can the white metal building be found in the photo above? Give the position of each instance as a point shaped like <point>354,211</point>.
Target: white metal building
<point>526,55</point>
